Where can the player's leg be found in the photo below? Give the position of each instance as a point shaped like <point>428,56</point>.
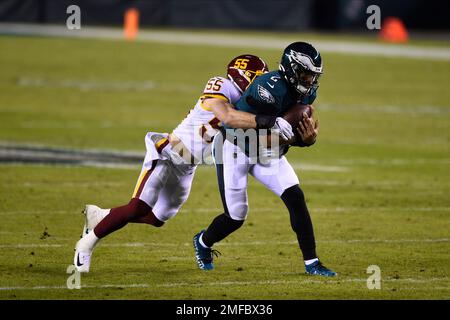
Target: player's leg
<point>150,182</point>
<point>174,193</point>
<point>280,178</point>
<point>232,168</point>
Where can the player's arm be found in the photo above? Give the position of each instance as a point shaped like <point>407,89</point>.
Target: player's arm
<point>308,130</point>
<point>229,116</point>
<point>260,98</point>
<point>233,118</point>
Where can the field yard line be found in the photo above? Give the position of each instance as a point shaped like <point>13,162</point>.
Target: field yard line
<point>87,85</point>
<point>225,40</point>
<point>31,245</point>
<point>318,167</point>
<point>229,283</point>
<point>268,282</point>
<point>40,154</point>
<point>249,243</point>
<point>267,209</point>
<point>336,209</point>
<point>310,182</point>
<point>110,85</point>
<point>134,285</point>
<point>389,109</point>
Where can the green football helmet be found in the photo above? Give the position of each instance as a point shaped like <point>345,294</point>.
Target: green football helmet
<point>301,66</point>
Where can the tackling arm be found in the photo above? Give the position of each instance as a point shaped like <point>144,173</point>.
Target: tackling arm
<point>229,116</point>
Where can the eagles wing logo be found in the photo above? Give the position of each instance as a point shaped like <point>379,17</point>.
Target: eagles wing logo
<point>304,60</point>
<point>265,95</point>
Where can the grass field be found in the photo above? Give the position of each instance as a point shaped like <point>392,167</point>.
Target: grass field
<point>377,182</point>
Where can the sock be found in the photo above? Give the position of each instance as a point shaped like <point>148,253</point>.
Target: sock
<point>301,223</point>
<point>311,261</point>
<point>88,242</point>
<point>219,229</point>
<point>120,216</point>
<point>150,218</point>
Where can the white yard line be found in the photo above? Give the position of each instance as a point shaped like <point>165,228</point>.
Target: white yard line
<point>225,244</point>
<point>317,167</point>
<point>21,154</point>
<point>388,109</point>
<point>135,285</point>
<point>88,85</point>
<point>102,84</point>
<point>278,282</point>
<point>231,40</point>
<point>31,245</point>
<point>267,209</point>
<point>232,283</point>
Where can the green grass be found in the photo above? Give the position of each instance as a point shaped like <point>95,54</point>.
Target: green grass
<point>377,181</point>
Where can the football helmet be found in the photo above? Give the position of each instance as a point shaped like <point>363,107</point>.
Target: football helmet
<point>301,66</point>
<point>243,69</point>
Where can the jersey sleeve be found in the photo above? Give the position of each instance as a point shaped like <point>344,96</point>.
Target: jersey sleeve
<point>217,87</point>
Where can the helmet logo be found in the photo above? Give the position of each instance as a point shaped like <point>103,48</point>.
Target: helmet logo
<point>304,60</point>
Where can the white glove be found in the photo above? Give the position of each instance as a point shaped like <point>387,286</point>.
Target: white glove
<point>284,128</point>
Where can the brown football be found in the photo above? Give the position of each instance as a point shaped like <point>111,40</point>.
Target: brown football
<point>295,113</point>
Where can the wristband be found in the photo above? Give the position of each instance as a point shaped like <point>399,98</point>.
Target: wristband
<point>265,121</point>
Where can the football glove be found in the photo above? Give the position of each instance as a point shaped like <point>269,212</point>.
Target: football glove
<point>284,128</point>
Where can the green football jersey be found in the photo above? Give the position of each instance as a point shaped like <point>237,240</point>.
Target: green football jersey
<point>270,94</point>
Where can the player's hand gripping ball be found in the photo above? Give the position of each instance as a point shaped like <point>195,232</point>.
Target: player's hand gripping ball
<point>294,115</point>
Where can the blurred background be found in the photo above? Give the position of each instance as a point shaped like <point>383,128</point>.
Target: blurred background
<point>298,15</point>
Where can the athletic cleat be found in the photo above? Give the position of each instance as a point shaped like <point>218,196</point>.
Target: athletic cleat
<point>317,268</point>
<point>93,217</point>
<point>82,259</point>
<point>204,256</point>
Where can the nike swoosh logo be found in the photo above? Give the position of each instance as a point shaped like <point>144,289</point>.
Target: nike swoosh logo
<point>270,85</point>
<point>79,264</point>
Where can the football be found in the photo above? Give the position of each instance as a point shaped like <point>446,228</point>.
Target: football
<point>295,114</point>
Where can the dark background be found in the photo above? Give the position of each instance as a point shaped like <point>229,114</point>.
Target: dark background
<point>292,15</point>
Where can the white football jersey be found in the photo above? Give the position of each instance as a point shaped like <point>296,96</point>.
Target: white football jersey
<point>200,126</point>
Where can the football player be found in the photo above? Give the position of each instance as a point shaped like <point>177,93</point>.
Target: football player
<point>171,159</point>
<point>268,97</point>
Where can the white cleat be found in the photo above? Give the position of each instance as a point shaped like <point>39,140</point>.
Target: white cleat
<point>93,216</point>
<point>82,258</point>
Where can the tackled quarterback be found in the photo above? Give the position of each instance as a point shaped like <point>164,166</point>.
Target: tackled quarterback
<point>171,159</point>
<point>271,95</point>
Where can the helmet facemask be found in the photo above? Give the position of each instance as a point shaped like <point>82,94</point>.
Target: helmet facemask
<point>304,80</point>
